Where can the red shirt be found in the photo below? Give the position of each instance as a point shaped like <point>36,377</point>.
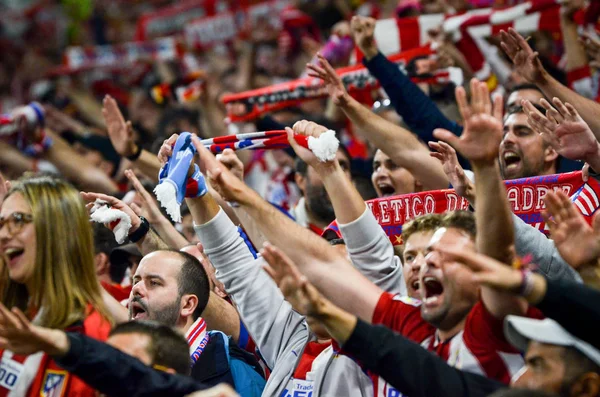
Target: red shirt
<point>480,347</point>
<point>117,291</point>
<point>38,374</point>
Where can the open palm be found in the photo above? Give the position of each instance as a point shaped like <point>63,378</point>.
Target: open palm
<point>482,132</point>
<point>577,242</point>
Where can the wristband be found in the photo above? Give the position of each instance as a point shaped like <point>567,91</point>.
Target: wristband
<point>526,287</point>
<point>196,184</point>
<point>141,231</point>
<point>136,155</point>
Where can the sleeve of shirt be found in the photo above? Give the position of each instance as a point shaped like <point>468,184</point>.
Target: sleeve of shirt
<point>484,336</point>
<point>411,369</point>
<point>582,318</point>
<point>403,315</point>
<point>418,111</point>
<point>372,253</point>
<point>115,373</point>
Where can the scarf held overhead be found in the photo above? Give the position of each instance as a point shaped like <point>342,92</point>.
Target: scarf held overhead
<point>526,198</point>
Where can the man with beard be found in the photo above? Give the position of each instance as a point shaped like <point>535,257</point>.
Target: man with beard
<point>172,288</point>
<point>314,210</point>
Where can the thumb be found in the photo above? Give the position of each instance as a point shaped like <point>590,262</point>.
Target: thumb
<point>208,162</point>
<point>292,139</point>
<point>446,136</point>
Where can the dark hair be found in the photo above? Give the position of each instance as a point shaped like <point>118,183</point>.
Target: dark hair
<point>521,393</point>
<point>525,86</point>
<point>302,168</point>
<point>193,280</point>
<point>576,365</point>
<point>104,242</point>
<point>167,348</point>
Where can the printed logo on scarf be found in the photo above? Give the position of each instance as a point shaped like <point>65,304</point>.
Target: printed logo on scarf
<point>10,370</point>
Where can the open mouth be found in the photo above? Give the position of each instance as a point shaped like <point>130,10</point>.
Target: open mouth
<point>138,312</point>
<point>433,290</point>
<point>415,284</point>
<point>511,160</point>
<point>14,254</point>
<point>386,189</point>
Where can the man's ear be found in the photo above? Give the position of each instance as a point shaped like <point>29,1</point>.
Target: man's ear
<point>550,154</point>
<point>101,260</point>
<point>189,303</point>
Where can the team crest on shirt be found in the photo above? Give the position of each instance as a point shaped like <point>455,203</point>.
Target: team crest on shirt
<point>54,384</point>
<point>408,300</point>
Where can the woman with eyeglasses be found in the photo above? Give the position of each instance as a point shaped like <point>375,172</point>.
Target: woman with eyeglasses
<point>47,246</point>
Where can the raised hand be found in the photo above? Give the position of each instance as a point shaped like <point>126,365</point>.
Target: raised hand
<point>486,271</point>
<point>564,129</point>
<point>592,47</point>
<point>302,295</point>
<point>453,170</point>
<point>577,242</point>
<point>307,128</point>
<point>18,335</point>
<point>114,203</point>
<point>333,82</point>
<point>149,209</point>
<point>482,134</point>
<point>220,178</point>
<point>527,62</point>
<point>119,131</point>
<point>166,149</point>
<point>363,31</point>
<point>230,160</point>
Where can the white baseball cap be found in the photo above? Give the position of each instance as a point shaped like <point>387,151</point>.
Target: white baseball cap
<point>521,330</point>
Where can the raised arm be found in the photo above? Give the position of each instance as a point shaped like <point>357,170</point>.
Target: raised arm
<point>479,143</point>
<point>400,145</point>
<point>320,262</point>
<point>399,361</point>
<point>528,65</point>
<point>417,110</point>
<point>369,248</point>
<point>121,137</point>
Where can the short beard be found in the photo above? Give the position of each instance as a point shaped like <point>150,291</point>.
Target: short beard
<point>167,315</point>
<point>318,203</point>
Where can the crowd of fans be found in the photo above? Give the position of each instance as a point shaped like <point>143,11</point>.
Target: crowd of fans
<point>268,274</point>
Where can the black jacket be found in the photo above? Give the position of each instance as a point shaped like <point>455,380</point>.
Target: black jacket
<point>116,374</point>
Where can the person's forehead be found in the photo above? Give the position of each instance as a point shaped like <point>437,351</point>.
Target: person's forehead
<point>160,263</point>
<point>135,344</point>
<point>380,156</point>
<point>451,236</point>
<point>530,94</point>
<point>418,240</point>
<point>546,351</point>
<point>14,203</point>
<point>516,120</point>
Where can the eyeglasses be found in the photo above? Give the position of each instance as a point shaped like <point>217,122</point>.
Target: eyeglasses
<point>15,222</point>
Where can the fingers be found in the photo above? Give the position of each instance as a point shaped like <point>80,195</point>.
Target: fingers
<point>208,163</point>
<point>445,135</point>
<point>463,105</point>
<point>110,109</point>
<point>498,107</point>
<point>520,41</point>
<point>508,44</point>
<point>91,197</point>
<point>572,111</point>
<point>137,185</point>
<point>329,70</point>
<point>564,112</point>
<point>136,208</point>
<point>585,173</point>
<point>166,150</point>
<point>475,262</point>
<point>551,114</point>
<point>9,320</point>
<point>316,71</point>
<point>22,319</point>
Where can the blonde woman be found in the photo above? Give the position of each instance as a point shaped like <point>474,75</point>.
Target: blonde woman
<point>46,240</point>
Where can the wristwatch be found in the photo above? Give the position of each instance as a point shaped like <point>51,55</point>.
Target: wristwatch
<point>141,231</point>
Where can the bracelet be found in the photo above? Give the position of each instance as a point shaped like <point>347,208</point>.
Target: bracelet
<point>136,155</point>
<point>141,231</point>
<point>526,287</point>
